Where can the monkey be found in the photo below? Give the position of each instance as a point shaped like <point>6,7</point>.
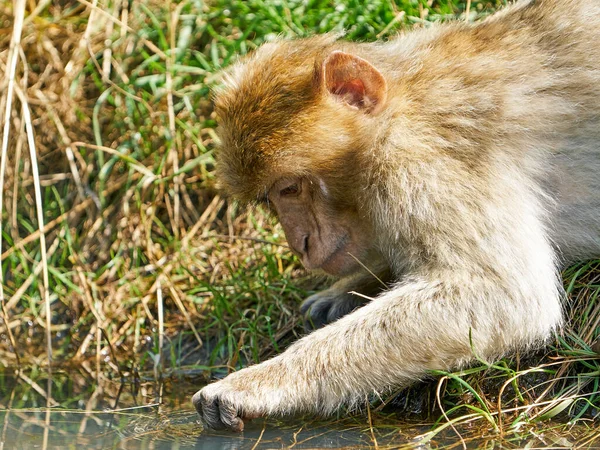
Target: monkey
<point>457,165</point>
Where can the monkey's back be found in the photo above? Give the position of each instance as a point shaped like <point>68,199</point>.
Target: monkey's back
<point>518,88</point>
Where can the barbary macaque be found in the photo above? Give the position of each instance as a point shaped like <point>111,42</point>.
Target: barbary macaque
<point>458,165</point>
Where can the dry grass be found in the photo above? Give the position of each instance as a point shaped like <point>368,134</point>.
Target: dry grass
<point>129,210</point>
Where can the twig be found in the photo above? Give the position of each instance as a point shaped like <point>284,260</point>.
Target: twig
<point>161,328</point>
<point>259,437</point>
<point>385,286</point>
<point>370,419</point>
<point>66,140</point>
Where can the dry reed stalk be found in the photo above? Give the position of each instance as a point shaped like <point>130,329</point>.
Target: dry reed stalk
<point>370,422</point>
<point>151,46</point>
<point>5,424</point>
<point>19,13</point>
<point>15,187</point>
<point>37,388</point>
<point>173,18</point>
<point>40,217</point>
<point>161,329</point>
<point>9,81</point>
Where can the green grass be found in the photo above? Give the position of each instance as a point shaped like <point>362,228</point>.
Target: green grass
<point>141,249</point>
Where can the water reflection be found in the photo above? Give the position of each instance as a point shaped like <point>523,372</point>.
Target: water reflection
<point>86,413</point>
<point>148,415</point>
<point>68,429</point>
<point>173,429</point>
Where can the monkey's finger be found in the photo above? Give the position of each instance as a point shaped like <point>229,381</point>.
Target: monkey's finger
<point>338,310</point>
<point>197,402</point>
<point>211,414</point>
<point>307,304</point>
<point>230,417</point>
<point>208,409</point>
<point>316,316</point>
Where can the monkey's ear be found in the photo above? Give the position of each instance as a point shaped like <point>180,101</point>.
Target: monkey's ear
<point>353,80</point>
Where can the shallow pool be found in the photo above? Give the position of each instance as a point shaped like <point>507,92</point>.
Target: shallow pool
<point>82,412</point>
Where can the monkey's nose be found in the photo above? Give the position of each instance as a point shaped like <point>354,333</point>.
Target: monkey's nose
<point>299,243</point>
<point>305,245</point>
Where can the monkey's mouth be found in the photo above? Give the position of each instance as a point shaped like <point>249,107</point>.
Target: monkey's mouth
<point>336,261</point>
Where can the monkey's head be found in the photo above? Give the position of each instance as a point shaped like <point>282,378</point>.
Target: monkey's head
<point>297,123</point>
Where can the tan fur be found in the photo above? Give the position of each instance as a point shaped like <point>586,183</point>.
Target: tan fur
<point>477,179</point>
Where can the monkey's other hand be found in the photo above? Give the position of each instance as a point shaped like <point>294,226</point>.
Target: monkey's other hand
<point>328,306</point>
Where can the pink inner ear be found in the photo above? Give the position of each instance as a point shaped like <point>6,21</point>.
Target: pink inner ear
<point>353,80</point>
<point>353,91</point>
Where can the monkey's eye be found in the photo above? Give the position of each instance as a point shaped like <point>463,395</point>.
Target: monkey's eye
<point>291,191</point>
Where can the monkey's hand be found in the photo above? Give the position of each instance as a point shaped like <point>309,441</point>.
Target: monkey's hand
<point>249,393</point>
<point>328,306</point>
<point>219,407</point>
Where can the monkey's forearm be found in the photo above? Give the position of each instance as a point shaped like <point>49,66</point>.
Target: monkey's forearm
<point>422,325</point>
<point>393,340</point>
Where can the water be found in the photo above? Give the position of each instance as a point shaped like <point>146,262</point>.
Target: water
<point>154,429</point>
<point>87,414</point>
<point>84,413</point>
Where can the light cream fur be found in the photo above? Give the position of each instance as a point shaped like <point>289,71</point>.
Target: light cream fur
<point>480,177</point>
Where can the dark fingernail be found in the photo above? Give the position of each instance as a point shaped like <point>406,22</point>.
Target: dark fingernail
<point>237,425</point>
